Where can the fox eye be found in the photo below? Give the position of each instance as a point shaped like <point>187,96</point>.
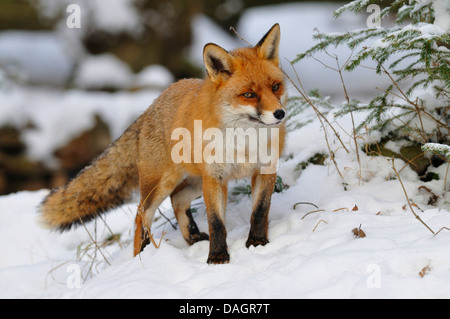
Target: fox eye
<point>276,87</point>
<point>249,95</point>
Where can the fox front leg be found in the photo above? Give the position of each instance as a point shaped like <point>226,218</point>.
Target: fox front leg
<point>262,189</point>
<point>215,196</point>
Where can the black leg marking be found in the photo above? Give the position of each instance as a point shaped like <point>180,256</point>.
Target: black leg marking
<point>218,252</point>
<point>145,240</point>
<point>259,224</point>
<point>194,233</point>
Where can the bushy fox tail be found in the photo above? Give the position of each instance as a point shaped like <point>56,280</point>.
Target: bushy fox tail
<point>103,185</point>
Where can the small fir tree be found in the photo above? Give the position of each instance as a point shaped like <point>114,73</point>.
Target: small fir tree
<point>415,55</point>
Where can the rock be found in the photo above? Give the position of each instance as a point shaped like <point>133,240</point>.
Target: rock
<point>3,186</point>
<point>18,172</point>
<point>10,141</point>
<point>411,153</point>
<point>416,158</point>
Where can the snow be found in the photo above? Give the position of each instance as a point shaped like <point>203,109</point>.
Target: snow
<point>204,31</point>
<point>426,30</point>
<point>58,117</point>
<point>312,253</point>
<point>109,16</point>
<point>115,16</point>
<point>104,70</point>
<point>48,63</point>
<point>442,14</point>
<point>437,147</point>
<point>154,76</point>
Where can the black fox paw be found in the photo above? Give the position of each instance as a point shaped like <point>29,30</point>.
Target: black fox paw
<point>219,258</point>
<point>256,242</point>
<point>193,238</point>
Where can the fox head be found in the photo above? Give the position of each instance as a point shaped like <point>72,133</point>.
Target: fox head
<point>249,82</point>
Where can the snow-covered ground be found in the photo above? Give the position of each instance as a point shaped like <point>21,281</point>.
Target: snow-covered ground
<point>313,252</point>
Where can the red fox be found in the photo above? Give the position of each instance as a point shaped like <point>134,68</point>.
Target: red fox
<point>244,89</point>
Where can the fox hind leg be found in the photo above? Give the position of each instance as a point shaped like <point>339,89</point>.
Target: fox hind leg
<point>181,198</point>
<point>143,221</point>
<point>153,192</point>
<point>141,235</point>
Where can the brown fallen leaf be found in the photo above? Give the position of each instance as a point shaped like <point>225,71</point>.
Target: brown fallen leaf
<point>354,209</point>
<point>433,197</point>
<point>424,271</point>
<point>358,232</point>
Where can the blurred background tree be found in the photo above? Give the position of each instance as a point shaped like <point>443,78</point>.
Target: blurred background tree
<point>51,74</point>
<point>160,36</point>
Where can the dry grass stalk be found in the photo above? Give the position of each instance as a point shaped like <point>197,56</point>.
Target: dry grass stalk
<point>339,209</point>
<point>113,236</point>
<point>312,212</point>
<point>320,221</point>
<point>304,203</point>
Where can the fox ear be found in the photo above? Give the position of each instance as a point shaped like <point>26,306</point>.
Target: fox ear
<point>218,62</point>
<point>268,46</point>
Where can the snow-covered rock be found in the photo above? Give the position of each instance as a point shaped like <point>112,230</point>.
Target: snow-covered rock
<point>103,71</point>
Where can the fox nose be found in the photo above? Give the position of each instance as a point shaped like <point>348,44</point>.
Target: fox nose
<point>279,114</point>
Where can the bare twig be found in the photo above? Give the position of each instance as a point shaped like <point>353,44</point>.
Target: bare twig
<point>166,218</point>
<point>339,69</point>
<point>320,116</point>
<point>407,199</point>
<point>94,242</point>
<point>416,106</point>
<point>445,179</point>
<point>240,36</point>
<point>443,228</point>
<point>303,93</point>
